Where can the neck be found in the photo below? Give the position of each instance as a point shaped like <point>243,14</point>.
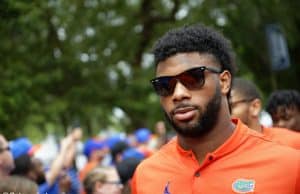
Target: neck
<point>210,141</point>
<point>255,125</point>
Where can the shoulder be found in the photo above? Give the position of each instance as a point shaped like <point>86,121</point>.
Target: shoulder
<point>153,173</point>
<point>271,138</point>
<point>283,136</point>
<point>280,151</point>
<point>264,155</point>
<point>165,152</point>
<point>267,146</point>
<point>282,131</point>
<point>164,157</point>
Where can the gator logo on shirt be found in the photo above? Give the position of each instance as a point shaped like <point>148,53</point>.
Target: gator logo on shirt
<point>166,190</point>
<point>243,186</point>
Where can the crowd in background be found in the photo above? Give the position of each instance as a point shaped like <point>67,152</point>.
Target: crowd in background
<point>101,164</point>
<point>106,163</point>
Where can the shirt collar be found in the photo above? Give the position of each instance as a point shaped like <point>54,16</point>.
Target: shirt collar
<point>233,142</point>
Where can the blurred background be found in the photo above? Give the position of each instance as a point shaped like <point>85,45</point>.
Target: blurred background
<point>89,62</point>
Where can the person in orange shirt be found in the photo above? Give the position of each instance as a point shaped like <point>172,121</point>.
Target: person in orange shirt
<point>211,153</point>
<point>246,104</point>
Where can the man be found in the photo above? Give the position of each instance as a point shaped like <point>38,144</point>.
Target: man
<point>212,153</point>
<point>6,159</point>
<point>102,180</point>
<point>246,104</point>
<point>284,108</point>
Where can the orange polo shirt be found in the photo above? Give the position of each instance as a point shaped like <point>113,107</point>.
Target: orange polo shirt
<point>283,136</point>
<point>247,162</point>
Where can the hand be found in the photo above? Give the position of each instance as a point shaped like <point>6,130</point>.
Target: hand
<point>76,134</point>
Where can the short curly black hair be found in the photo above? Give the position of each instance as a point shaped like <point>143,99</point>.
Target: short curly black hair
<point>285,98</point>
<point>196,38</point>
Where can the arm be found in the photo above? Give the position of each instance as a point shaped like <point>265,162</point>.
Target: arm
<point>58,163</point>
<point>75,135</point>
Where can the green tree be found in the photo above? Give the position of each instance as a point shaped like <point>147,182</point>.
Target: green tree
<point>85,60</point>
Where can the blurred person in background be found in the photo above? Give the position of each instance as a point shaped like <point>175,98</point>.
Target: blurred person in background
<point>116,143</point>
<point>102,180</point>
<point>54,179</point>
<point>284,108</point>
<point>61,177</point>
<point>246,104</point>
<point>142,139</point>
<point>95,150</point>
<point>117,150</point>
<point>133,152</point>
<point>126,170</point>
<point>6,158</point>
<point>18,185</point>
<point>159,138</point>
<point>25,164</point>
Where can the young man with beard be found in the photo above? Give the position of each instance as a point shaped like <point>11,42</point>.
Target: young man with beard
<point>212,153</point>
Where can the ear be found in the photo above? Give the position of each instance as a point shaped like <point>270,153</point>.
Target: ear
<point>255,107</point>
<point>225,82</point>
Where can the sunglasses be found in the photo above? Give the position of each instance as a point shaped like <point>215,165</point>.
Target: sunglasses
<point>192,79</point>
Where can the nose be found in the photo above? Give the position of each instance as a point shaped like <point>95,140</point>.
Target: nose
<point>180,92</point>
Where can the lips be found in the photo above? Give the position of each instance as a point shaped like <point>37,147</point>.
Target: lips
<point>184,113</point>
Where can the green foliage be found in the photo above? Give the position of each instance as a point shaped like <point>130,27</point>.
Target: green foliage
<point>63,61</point>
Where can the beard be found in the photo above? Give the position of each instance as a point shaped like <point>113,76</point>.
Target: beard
<point>205,122</point>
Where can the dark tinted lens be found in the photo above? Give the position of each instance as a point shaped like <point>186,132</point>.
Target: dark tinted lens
<point>192,79</point>
<point>163,86</point>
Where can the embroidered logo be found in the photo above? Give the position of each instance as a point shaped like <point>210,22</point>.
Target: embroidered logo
<point>166,190</point>
<point>243,185</point>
